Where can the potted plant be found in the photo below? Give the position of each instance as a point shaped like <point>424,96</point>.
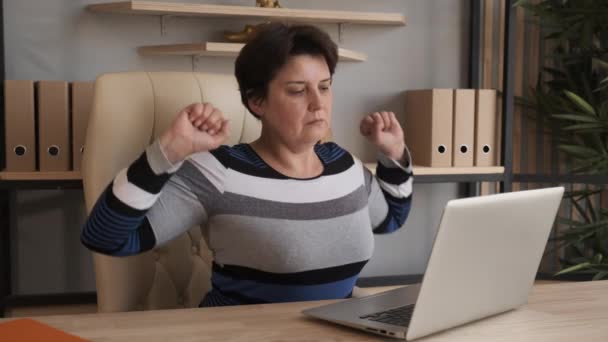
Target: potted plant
<point>572,96</point>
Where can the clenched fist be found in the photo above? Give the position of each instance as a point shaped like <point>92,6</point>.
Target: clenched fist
<point>383,130</point>
<point>196,128</point>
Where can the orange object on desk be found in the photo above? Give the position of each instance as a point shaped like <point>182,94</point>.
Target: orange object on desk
<point>29,330</point>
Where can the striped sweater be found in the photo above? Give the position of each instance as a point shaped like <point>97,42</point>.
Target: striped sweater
<point>273,238</point>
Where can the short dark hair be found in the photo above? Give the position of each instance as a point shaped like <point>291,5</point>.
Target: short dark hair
<point>260,60</point>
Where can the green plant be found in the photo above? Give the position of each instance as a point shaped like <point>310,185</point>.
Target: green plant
<point>572,97</point>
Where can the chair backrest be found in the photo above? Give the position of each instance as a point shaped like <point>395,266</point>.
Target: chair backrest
<point>129,111</point>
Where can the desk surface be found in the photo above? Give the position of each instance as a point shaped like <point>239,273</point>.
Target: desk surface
<point>555,312</point>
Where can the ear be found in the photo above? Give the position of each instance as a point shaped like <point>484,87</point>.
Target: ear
<point>257,106</point>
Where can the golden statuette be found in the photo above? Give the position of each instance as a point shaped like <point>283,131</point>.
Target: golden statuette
<point>243,36</point>
<point>250,30</point>
<point>268,3</point>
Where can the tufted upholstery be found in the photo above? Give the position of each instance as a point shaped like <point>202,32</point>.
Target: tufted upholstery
<point>129,110</point>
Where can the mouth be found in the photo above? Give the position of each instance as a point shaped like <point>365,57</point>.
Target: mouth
<point>316,122</point>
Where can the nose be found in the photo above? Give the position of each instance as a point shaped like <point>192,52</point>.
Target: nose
<point>314,101</point>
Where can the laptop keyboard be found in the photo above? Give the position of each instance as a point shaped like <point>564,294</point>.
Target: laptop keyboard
<point>398,316</point>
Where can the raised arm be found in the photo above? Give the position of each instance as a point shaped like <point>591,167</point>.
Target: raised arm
<point>390,190</point>
<point>144,205</point>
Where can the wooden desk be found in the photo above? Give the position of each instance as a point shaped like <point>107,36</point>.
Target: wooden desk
<point>556,312</point>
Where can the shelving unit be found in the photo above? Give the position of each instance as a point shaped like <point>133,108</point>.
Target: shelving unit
<point>223,50</point>
<point>247,12</point>
<point>227,49</point>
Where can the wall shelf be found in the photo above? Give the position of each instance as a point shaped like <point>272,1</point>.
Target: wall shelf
<point>561,178</point>
<point>223,50</point>
<point>40,180</point>
<point>424,174</point>
<point>72,179</point>
<point>435,171</point>
<point>37,175</point>
<point>249,12</point>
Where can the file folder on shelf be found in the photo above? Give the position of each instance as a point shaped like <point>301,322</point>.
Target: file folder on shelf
<point>82,100</point>
<point>53,126</point>
<point>464,127</point>
<point>20,126</point>
<point>485,127</point>
<point>428,126</point>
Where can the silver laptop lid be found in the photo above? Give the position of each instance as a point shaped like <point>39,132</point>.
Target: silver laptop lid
<point>484,258</point>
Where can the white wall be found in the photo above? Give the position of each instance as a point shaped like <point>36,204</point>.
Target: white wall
<point>58,40</point>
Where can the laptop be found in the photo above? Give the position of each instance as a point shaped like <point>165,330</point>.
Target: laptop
<point>483,262</point>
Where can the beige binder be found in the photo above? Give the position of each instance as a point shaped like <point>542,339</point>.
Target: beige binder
<point>464,127</point>
<point>19,125</point>
<point>82,99</point>
<point>428,126</point>
<point>485,127</point>
<point>53,126</point>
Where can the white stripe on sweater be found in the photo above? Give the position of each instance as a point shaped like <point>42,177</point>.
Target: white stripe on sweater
<point>308,191</point>
<point>399,191</point>
<point>130,194</point>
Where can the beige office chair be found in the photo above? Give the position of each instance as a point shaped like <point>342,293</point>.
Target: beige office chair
<point>129,110</point>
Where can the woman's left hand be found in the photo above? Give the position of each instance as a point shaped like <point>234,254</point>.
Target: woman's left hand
<point>383,130</point>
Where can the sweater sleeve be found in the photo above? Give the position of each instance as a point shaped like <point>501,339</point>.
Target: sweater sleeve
<point>147,204</point>
<point>390,193</point>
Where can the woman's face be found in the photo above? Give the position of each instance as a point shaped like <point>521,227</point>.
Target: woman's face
<point>298,105</point>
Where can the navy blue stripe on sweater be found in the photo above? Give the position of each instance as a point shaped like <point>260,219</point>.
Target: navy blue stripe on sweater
<point>329,152</point>
<point>217,298</point>
<point>115,228</point>
<point>241,157</point>
<point>109,232</point>
<point>252,292</point>
<point>312,277</point>
<point>399,210</point>
<point>141,175</point>
<point>392,175</point>
<point>245,153</point>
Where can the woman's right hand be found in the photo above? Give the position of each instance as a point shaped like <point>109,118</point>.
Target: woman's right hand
<point>197,128</point>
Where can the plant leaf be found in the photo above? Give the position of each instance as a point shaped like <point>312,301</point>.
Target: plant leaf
<point>597,259</point>
<point>604,109</point>
<point>574,268</point>
<point>575,117</point>
<point>600,62</point>
<point>581,212</point>
<point>554,72</point>
<point>578,151</point>
<point>581,193</point>
<point>580,103</point>
<point>600,275</point>
<point>587,227</point>
<point>584,128</point>
<point>568,222</point>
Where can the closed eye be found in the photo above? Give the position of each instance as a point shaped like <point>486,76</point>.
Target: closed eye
<point>296,91</point>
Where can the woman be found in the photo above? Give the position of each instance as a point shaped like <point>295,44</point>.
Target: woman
<point>286,217</point>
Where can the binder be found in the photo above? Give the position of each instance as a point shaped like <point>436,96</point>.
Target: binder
<point>53,126</point>
<point>428,126</point>
<point>464,127</point>
<point>20,125</point>
<point>485,127</point>
<point>82,100</point>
